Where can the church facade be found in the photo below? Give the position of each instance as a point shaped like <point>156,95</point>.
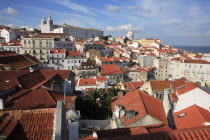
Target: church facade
<point>78,32</point>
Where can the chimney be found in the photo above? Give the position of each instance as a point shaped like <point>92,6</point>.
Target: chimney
<point>60,122</point>
<point>1,104</point>
<point>130,114</point>
<point>30,69</point>
<point>120,94</point>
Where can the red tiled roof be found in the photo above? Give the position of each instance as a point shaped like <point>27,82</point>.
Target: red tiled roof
<point>41,76</point>
<point>57,51</point>
<point>7,125</point>
<point>14,41</point>
<point>110,69</point>
<point>202,133</point>
<point>178,82</point>
<point>121,132</point>
<point>174,97</point>
<point>114,58</point>
<point>160,85</point>
<point>129,131</point>
<point>141,103</point>
<point>196,61</point>
<point>26,99</point>
<point>133,85</point>
<point>6,53</point>
<point>20,61</point>
<point>87,82</point>
<point>42,98</point>
<point>74,53</point>
<point>194,116</point>
<point>185,88</point>
<point>101,78</point>
<point>33,124</point>
<point>32,79</point>
<point>8,79</point>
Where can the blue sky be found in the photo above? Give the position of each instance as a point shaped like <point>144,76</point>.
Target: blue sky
<point>175,22</point>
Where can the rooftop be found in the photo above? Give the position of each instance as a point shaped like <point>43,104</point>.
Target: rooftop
<point>193,116</point>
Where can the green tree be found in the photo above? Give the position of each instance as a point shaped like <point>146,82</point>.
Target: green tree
<point>96,104</point>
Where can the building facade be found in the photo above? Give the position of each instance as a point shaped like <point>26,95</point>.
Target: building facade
<point>38,47</point>
<point>48,27</point>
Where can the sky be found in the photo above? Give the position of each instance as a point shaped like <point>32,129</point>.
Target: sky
<point>175,22</point>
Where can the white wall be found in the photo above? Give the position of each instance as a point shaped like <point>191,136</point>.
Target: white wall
<point>195,96</point>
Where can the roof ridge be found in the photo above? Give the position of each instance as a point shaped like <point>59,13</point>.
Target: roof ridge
<point>199,109</point>
<point>49,95</point>
<point>29,59</point>
<point>139,93</point>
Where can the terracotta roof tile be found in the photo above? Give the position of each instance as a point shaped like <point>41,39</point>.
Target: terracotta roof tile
<point>74,53</point>
<point>174,97</point>
<point>7,53</point>
<point>27,99</point>
<point>87,82</point>
<point>7,125</point>
<point>121,132</point>
<point>196,61</point>
<point>185,88</point>
<point>133,85</point>
<point>32,79</point>
<point>178,82</point>
<point>110,69</point>
<point>131,131</point>
<point>33,124</point>
<point>57,51</point>
<point>20,61</point>
<point>202,133</point>
<point>160,85</point>
<point>141,103</point>
<point>192,116</point>
<point>101,78</point>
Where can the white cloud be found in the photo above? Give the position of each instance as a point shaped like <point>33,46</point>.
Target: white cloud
<point>132,7</point>
<point>10,11</point>
<point>124,28</point>
<point>112,8</point>
<point>12,25</point>
<point>74,6</point>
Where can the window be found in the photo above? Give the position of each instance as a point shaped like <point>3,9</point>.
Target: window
<point>200,66</point>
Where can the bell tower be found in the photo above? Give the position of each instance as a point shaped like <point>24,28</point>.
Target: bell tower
<point>47,26</point>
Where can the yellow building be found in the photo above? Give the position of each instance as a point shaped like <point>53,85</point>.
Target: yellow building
<point>149,42</point>
<point>38,47</point>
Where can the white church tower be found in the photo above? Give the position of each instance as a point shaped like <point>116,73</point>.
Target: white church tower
<point>130,34</point>
<point>47,26</point>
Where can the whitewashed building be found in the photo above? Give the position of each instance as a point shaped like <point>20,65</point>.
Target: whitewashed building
<point>48,27</point>
<point>197,71</point>
<point>60,60</point>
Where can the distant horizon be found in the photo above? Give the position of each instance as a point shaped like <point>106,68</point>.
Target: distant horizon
<point>175,23</point>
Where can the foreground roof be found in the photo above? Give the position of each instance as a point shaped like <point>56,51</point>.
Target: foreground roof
<point>143,104</point>
<point>160,85</point>
<point>18,62</point>
<point>27,124</point>
<point>202,133</point>
<point>110,69</point>
<point>131,130</point>
<point>193,116</point>
<point>35,99</point>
